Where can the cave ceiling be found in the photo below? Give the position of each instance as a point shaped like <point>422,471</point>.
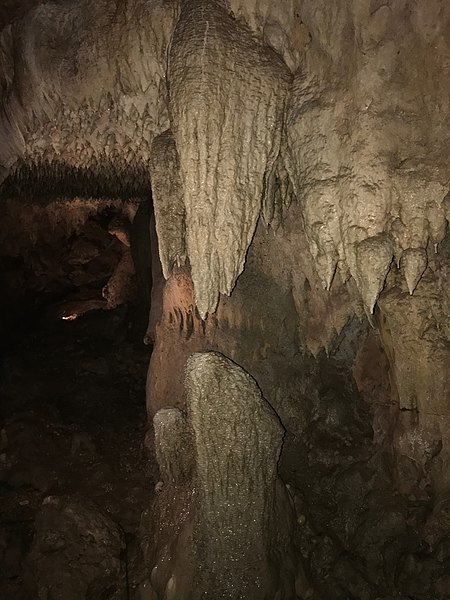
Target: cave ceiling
<point>240,110</point>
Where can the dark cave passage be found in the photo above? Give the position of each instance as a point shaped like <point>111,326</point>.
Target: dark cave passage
<point>72,395</point>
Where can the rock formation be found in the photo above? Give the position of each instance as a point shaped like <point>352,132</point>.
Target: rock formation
<point>297,155</point>
<point>234,541</point>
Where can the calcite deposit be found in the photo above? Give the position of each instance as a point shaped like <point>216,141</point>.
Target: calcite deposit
<point>290,166</point>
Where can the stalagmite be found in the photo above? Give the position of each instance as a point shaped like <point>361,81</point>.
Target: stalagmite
<point>237,443</point>
<point>173,445</point>
<point>225,519</point>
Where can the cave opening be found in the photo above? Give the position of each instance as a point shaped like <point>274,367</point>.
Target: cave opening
<point>76,282</point>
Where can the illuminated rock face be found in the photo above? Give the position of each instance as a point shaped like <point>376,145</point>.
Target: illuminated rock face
<point>228,143</point>
<point>343,110</point>
<point>331,122</point>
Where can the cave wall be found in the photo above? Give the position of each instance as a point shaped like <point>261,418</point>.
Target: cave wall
<point>355,193</point>
<point>352,232</point>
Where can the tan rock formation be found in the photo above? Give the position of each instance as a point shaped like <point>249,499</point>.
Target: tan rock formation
<point>331,121</point>
<point>240,516</point>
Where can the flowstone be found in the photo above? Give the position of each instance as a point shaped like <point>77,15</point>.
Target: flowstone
<point>223,529</point>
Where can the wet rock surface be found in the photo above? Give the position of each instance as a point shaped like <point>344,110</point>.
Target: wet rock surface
<point>74,476</point>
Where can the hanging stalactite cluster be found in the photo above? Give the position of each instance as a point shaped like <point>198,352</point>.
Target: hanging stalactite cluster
<point>47,181</point>
<point>344,129</point>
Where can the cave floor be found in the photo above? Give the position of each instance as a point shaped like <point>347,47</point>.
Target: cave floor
<point>73,424</point>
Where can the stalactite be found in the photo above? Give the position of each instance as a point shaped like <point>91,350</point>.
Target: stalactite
<point>373,259</point>
<point>57,102</point>
<point>414,262</point>
<point>357,212</point>
<point>168,202</point>
<point>227,97</point>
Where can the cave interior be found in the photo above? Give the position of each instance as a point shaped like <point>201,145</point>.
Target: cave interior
<point>225,310</point>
